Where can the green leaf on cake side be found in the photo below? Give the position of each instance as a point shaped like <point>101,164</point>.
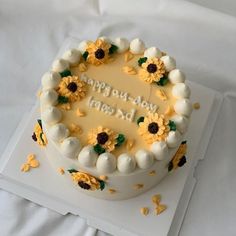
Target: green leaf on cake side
<point>62,99</point>
<point>172,125</point>
<point>120,140</point>
<point>65,73</point>
<point>98,149</point>
<point>85,55</point>
<point>72,171</point>
<point>141,60</point>
<point>140,119</point>
<point>113,49</point>
<point>102,184</point>
<point>163,81</point>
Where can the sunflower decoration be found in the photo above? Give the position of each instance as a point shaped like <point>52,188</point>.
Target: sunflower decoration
<point>71,89</point>
<point>38,134</point>
<point>86,181</point>
<point>104,139</point>
<point>152,70</point>
<point>153,127</point>
<point>98,52</point>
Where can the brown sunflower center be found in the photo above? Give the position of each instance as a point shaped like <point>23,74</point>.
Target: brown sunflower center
<point>152,68</point>
<point>99,54</point>
<point>72,86</point>
<point>84,185</point>
<point>153,128</point>
<point>102,138</point>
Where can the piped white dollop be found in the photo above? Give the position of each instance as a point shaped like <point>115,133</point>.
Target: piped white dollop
<point>152,52</point>
<point>60,65</point>
<point>181,90</point>
<point>183,107</point>
<point>106,163</point>
<point>48,98</point>
<point>58,132</point>
<point>83,45</point>
<point>88,157</point>
<point>122,44</point>
<point>72,56</point>
<point>181,123</point>
<point>137,46</point>
<point>144,159</point>
<point>70,147</point>
<point>51,115</point>
<point>50,80</point>
<point>126,163</point>
<point>160,150</point>
<point>176,76</point>
<point>169,62</point>
<point>173,139</point>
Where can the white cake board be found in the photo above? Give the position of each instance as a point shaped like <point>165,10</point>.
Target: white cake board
<point>47,188</point>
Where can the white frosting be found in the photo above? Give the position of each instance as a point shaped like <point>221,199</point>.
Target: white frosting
<point>88,157</point>
<point>181,90</point>
<point>50,80</point>
<point>83,45</point>
<point>60,65</point>
<point>176,76</point>
<point>181,123</point>
<point>72,56</point>
<point>169,63</point>
<point>70,147</point>
<point>105,39</point>
<point>51,115</point>
<point>152,52</point>
<point>126,163</point>
<point>106,163</point>
<point>137,46</point>
<point>144,159</point>
<point>160,150</point>
<point>173,139</point>
<point>183,107</point>
<point>48,97</point>
<point>58,132</point>
<point>122,44</point>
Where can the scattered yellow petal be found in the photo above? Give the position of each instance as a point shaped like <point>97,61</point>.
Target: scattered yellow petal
<point>156,199</point>
<point>80,113</point>
<point>111,190</point>
<point>61,171</point>
<point>130,144</point>
<point>196,105</point>
<point>129,70</point>
<point>74,128</point>
<point>25,167</point>
<point>161,94</point>
<point>169,111</point>
<point>34,163</point>
<point>82,67</point>
<point>138,186</point>
<point>152,173</point>
<point>144,211</point>
<point>128,56</point>
<point>160,208</point>
<point>30,157</point>
<point>103,177</point>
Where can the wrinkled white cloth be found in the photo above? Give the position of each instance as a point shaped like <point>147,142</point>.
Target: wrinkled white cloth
<point>201,39</point>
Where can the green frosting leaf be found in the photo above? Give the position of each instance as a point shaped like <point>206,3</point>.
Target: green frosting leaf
<point>98,149</point>
<point>184,142</point>
<point>102,184</point>
<point>141,60</point>
<point>120,140</point>
<point>40,123</point>
<point>113,49</point>
<point>41,137</point>
<point>62,99</point>
<point>65,73</point>
<point>140,119</point>
<point>163,81</point>
<point>170,166</point>
<point>72,171</point>
<point>85,55</point>
<point>172,125</point>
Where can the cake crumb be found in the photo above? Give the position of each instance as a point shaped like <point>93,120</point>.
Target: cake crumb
<point>103,177</point>
<point>80,113</point>
<point>161,94</point>
<point>61,171</point>
<point>25,167</point>
<point>160,208</point>
<point>138,186</point>
<point>129,144</point>
<point>152,173</point>
<point>128,56</point>
<point>82,67</point>
<point>30,163</point>
<point>130,70</point>
<point>144,211</point>
<point>196,105</point>
<point>156,199</point>
<point>111,190</point>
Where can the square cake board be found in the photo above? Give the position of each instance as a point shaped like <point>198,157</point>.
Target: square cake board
<point>47,188</point>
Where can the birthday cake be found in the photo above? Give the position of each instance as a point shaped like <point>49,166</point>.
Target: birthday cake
<point>113,117</point>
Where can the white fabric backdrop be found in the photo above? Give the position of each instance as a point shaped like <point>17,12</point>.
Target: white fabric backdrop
<point>203,42</point>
